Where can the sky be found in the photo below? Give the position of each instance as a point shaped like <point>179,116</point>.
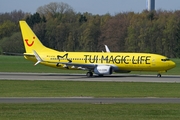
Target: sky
<point>100,7</point>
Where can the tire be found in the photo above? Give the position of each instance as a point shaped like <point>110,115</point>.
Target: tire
<point>89,74</point>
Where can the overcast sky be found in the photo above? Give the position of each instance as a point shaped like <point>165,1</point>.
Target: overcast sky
<point>92,6</point>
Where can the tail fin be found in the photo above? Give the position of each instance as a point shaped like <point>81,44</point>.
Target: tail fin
<point>31,42</point>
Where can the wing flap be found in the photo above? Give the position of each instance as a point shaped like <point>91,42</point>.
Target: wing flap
<point>75,65</point>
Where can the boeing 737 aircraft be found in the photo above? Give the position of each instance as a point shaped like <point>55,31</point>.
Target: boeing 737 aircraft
<point>100,63</point>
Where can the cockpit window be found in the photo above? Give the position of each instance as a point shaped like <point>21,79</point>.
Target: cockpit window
<point>166,59</point>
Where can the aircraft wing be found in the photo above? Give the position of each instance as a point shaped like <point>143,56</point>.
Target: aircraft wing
<point>75,65</point>
<point>107,49</point>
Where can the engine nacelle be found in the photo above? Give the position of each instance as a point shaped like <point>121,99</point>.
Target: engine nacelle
<point>103,70</point>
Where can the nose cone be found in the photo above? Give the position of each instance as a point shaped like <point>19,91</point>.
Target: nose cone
<point>172,64</point>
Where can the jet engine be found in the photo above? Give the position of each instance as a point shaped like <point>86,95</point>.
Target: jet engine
<point>103,70</point>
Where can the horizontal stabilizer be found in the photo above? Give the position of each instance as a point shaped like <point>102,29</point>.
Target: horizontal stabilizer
<point>28,54</point>
<point>37,57</point>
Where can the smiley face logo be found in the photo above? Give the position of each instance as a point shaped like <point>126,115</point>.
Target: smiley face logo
<point>29,44</point>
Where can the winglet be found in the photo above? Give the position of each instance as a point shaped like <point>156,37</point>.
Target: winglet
<point>37,57</point>
<point>107,49</point>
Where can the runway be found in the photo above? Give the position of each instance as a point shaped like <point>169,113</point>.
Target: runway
<point>82,77</point>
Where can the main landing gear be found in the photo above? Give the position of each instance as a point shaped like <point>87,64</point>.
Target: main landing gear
<point>89,74</point>
<point>159,75</point>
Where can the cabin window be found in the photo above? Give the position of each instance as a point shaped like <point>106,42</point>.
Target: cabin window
<point>166,59</point>
<point>162,59</point>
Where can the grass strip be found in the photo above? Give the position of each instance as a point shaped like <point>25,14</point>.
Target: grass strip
<point>17,88</point>
<point>51,111</point>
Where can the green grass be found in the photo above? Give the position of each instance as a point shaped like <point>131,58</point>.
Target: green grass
<point>73,111</point>
<point>82,111</point>
<point>15,88</point>
<point>20,64</point>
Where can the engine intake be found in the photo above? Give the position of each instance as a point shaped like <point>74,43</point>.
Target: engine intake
<point>103,70</point>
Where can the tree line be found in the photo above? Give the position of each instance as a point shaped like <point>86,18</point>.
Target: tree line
<point>59,27</point>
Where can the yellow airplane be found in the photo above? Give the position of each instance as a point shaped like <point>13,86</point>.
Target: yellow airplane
<point>100,63</point>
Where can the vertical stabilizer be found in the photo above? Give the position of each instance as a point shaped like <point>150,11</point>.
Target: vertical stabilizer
<point>31,42</point>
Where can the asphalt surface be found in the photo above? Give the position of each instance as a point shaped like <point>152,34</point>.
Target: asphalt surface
<point>82,77</point>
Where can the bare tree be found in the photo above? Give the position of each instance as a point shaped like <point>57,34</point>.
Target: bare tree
<point>54,8</point>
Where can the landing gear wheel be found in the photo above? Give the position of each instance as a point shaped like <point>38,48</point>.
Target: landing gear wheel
<point>158,75</point>
<point>89,74</point>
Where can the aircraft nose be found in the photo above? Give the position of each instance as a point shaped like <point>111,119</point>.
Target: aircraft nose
<point>172,64</point>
